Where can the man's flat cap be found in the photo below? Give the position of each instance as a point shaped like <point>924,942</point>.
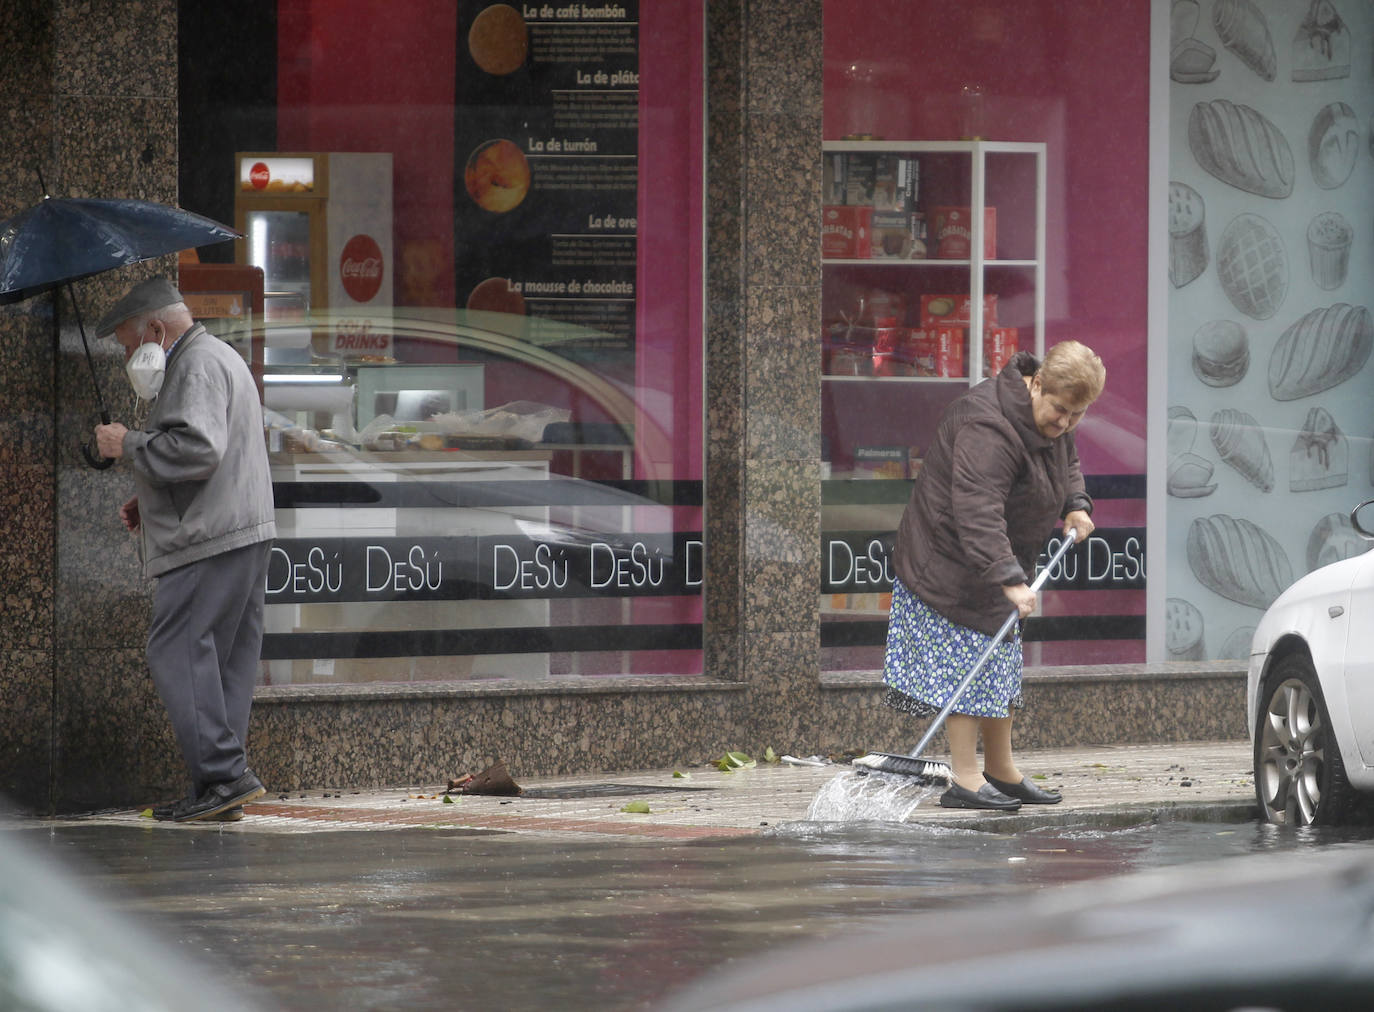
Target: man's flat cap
<point>144,297</point>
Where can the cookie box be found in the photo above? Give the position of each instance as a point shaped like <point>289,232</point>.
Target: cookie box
<point>846,232</point>
<point>939,351</point>
<point>999,345</point>
<point>954,310</point>
<point>953,231</point>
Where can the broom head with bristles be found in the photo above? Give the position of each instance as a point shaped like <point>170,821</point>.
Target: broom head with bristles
<point>929,771</point>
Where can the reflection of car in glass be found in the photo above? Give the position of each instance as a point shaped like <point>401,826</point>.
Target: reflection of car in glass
<point>1171,938</point>
<point>63,949</point>
<point>1310,693</point>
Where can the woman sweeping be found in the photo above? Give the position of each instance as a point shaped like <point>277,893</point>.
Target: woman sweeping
<point>1002,471</point>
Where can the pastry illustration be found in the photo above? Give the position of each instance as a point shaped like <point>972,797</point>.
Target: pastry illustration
<point>1323,349</point>
<point>498,40</point>
<point>1244,31</point>
<point>1333,144</point>
<point>497,295</point>
<point>1237,646</point>
<point>1190,59</point>
<point>1221,353</point>
<point>1182,433</point>
<point>1252,266</point>
<point>1239,146</point>
<point>1321,47</point>
<point>1239,442</point>
<point>1320,455</point>
<point>1238,560</point>
<point>497,176</point>
<point>1328,249</point>
<point>1183,630</point>
<point>1187,234</point>
<point>1333,538</point>
<point>1190,476</point>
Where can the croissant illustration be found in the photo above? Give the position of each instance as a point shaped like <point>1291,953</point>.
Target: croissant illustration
<point>1239,442</point>
<point>1243,30</point>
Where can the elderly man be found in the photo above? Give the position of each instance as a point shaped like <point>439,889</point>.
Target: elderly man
<point>204,515</point>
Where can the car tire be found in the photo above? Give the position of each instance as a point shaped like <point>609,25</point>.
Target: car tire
<point>1299,776</point>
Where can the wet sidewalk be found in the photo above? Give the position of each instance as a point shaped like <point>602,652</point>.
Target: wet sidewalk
<point>1101,784</point>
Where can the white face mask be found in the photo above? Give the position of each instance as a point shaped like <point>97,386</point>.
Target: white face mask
<point>145,369</point>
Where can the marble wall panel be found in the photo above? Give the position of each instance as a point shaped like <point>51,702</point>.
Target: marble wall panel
<point>26,729</point>
<point>113,744</point>
<point>783,377</point>
<point>296,743</point>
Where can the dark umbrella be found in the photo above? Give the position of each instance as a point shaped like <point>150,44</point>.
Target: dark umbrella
<point>61,240</point>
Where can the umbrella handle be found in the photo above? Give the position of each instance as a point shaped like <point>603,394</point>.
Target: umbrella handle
<point>93,457</point>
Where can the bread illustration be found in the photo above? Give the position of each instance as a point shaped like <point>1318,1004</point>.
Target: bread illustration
<point>1244,31</point>
<point>1333,538</point>
<point>1190,476</point>
<point>1221,353</point>
<point>1321,46</point>
<point>1240,147</point>
<point>1320,455</point>
<point>1323,349</point>
<point>1252,266</point>
<point>1333,144</point>
<point>1187,234</point>
<point>1239,442</point>
<point>1238,560</point>
<point>1183,630</point>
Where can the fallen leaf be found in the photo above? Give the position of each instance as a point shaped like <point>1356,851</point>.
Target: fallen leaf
<point>637,808</point>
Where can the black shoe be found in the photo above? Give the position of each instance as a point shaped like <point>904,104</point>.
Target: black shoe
<point>987,796</point>
<point>1026,791</point>
<point>164,813</point>
<point>218,798</point>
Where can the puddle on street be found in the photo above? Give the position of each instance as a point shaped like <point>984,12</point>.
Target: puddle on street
<point>441,919</point>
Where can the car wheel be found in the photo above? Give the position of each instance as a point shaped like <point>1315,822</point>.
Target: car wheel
<point>1299,777</point>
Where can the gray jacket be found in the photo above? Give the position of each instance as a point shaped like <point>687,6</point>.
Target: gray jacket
<point>200,466</point>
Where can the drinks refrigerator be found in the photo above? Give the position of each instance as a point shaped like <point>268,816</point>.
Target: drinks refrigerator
<point>319,224</point>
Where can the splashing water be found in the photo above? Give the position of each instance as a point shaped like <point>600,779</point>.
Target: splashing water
<point>870,797</point>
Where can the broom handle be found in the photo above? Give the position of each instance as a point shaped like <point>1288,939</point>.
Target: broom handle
<point>1039,582</point>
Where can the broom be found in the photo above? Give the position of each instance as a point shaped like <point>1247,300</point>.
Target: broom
<point>932,770</point>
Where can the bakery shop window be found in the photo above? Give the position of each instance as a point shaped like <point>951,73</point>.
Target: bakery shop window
<point>480,331</point>
<point>1269,331</point>
<point>987,195</point>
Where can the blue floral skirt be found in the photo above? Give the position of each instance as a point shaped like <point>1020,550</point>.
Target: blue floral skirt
<point>928,656</point>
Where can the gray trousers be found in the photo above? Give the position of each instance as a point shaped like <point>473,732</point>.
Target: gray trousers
<point>203,649</point>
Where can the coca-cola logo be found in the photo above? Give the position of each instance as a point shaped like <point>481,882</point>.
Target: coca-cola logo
<point>360,267</point>
<point>259,175</point>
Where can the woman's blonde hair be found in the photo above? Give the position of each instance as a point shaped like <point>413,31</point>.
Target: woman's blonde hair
<point>1072,371</point>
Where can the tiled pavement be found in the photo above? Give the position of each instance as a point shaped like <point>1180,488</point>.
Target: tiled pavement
<point>1100,783</point>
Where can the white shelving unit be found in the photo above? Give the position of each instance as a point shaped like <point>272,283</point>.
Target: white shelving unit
<point>987,161</point>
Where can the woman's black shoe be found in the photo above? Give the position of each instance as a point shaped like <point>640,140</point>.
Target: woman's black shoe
<point>1025,791</point>
<point>987,797</point>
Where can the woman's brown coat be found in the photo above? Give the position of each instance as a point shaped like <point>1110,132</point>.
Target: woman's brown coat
<point>988,495</point>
